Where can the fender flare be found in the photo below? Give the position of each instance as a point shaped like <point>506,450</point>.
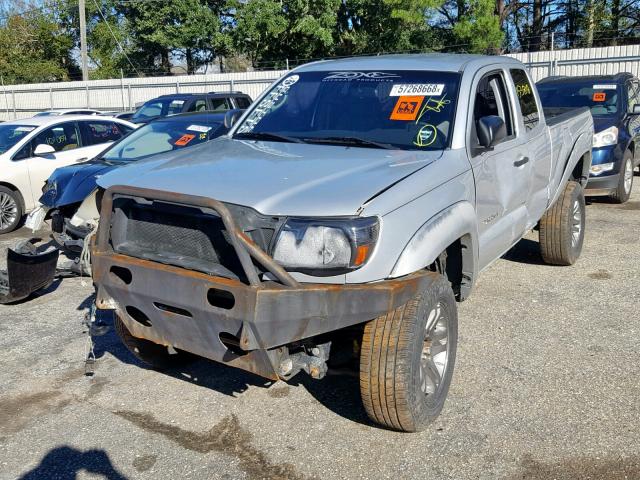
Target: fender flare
<point>459,221</point>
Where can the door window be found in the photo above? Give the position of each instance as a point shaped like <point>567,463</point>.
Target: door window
<point>526,99</point>
<point>95,133</point>
<point>491,99</point>
<point>199,105</point>
<point>61,137</point>
<point>243,102</point>
<point>634,94</point>
<point>220,103</point>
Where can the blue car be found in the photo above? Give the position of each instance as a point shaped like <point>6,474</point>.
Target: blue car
<point>68,187</point>
<point>614,101</point>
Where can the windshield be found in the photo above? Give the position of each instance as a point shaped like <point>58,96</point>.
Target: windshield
<point>163,136</point>
<point>12,134</point>
<point>603,98</point>
<point>158,108</point>
<point>408,110</point>
<point>46,114</point>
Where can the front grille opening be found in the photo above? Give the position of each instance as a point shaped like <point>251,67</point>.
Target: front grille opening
<point>178,235</point>
<point>122,274</point>
<point>171,309</point>
<point>221,298</point>
<point>138,315</point>
<point>232,343</point>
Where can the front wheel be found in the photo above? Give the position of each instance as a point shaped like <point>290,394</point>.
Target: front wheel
<point>625,181</point>
<point>407,359</point>
<point>10,210</point>
<point>562,227</point>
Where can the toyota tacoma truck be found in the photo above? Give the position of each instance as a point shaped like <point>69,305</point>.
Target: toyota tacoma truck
<point>339,222</point>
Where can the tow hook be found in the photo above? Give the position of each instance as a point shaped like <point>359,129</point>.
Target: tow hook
<point>312,360</point>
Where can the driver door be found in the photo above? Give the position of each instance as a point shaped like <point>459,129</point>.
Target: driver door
<point>502,173</point>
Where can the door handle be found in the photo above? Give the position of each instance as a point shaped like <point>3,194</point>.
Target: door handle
<point>521,161</point>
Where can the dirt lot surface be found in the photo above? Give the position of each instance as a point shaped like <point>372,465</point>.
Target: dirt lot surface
<point>547,385</point>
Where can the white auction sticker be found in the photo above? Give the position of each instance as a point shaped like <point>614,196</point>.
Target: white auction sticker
<point>198,128</point>
<point>419,89</point>
<point>604,87</point>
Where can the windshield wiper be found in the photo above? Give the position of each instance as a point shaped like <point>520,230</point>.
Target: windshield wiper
<point>276,137</point>
<point>351,141</point>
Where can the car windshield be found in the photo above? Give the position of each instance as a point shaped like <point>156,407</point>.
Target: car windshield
<point>602,97</point>
<point>158,108</point>
<point>46,114</point>
<point>12,134</point>
<point>408,110</point>
<point>162,136</point>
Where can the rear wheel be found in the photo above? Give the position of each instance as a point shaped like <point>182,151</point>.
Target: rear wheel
<point>562,227</point>
<point>407,359</point>
<point>152,354</point>
<point>625,180</point>
<point>10,210</point>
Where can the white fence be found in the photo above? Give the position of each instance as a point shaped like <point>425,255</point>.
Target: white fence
<point>20,101</point>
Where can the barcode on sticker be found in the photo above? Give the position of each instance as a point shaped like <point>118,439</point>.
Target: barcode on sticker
<point>604,87</point>
<point>421,89</point>
<point>198,128</point>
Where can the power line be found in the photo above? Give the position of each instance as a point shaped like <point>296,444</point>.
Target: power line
<point>115,38</point>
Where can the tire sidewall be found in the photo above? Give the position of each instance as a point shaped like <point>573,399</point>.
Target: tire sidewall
<point>622,195</point>
<point>16,198</point>
<point>427,407</point>
<point>577,194</point>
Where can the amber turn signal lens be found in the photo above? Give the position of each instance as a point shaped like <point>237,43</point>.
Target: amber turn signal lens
<point>361,255</point>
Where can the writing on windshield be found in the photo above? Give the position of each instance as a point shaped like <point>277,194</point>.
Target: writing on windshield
<point>409,110</point>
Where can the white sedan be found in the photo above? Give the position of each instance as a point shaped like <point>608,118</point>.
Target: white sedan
<point>31,149</point>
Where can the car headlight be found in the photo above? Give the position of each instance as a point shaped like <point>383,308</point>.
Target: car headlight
<point>326,246</point>
<point>603,167</point>
<point>605,137</point>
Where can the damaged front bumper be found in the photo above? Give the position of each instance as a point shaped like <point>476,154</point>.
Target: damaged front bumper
<point>27,272</point>
<point>245,325</point>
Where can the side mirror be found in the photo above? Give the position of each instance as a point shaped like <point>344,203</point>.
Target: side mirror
<point>232,117</point>
<point>491,130</point>
<point>635,110</point>
<point>43,149</point>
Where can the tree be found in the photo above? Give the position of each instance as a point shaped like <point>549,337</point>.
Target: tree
<point>34,49</point>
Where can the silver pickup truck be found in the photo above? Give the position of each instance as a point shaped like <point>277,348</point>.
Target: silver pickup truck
<point>340,220</point>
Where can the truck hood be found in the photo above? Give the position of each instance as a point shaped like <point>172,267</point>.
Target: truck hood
<point>73,183</point>
<point>276,178</point>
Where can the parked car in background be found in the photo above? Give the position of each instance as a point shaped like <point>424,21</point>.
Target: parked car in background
<point>125,115</point>
<point>31,149</point>
<point>614,101</point>
<point>190,102</point>
<point>69,111</point>
<point>340,220</point>
<point>68,187</point>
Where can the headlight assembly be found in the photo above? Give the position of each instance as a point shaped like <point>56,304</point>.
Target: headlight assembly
<point>326,246</point>
<point>605,137</point>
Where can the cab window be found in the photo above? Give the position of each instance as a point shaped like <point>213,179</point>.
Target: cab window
<point>243,102</point>
<point>61,137</point>
<point>491,99</point>
<point>95,133</point>
<point>633,94</point>
<point>526,98</point>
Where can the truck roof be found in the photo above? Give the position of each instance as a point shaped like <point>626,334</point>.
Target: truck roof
<point>443,62</point>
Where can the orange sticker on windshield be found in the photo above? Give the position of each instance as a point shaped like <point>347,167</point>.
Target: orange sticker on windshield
<point>406,108</point>
<point>184,139</point>
<point>599,97</point>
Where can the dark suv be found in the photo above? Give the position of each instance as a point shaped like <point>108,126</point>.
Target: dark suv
<point>614,101</point>
<point>190,102</point>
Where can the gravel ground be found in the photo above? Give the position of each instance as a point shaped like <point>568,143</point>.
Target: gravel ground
<point>547,385</point>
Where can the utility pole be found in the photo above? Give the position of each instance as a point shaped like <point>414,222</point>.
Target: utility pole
<point>83,40</point>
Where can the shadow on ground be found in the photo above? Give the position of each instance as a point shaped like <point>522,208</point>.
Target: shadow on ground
<point>64,463</point>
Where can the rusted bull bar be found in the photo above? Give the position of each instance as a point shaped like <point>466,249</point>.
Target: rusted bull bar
<point>203,314</point>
